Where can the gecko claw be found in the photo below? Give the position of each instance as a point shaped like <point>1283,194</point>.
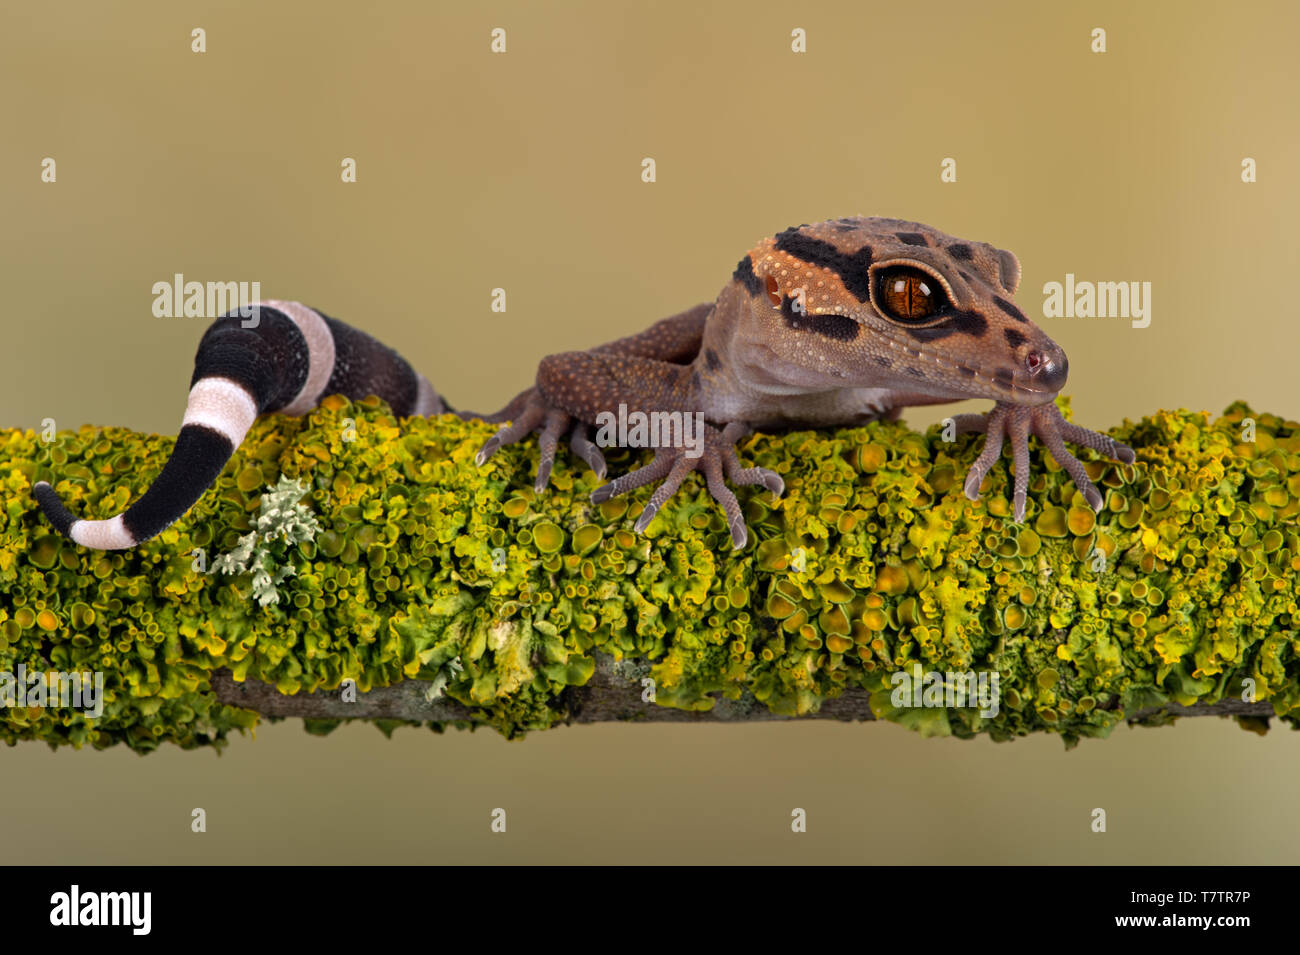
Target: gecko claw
<point>534,415</point>
<point>1017,422</point>
<point>646,517</point>
<point>718,463</point>
<point>584,449</point>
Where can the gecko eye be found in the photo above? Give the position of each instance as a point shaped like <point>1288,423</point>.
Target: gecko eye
<point>909,295</point>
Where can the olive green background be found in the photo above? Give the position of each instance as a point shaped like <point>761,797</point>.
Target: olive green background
<point>522,171</point>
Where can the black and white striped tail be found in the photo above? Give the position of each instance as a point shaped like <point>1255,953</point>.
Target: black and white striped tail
<point>293,357</point>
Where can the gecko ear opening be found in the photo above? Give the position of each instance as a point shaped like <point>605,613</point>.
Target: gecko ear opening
<point>1010,270</point>
<point>773,292</point>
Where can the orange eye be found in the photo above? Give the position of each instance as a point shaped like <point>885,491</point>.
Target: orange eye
<point>909,295</point>
<point>773,292</point>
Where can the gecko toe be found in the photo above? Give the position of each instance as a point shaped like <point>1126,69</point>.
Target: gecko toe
<point>743,476</point>
<point>589,452</point>
<point>556,422</point>
<point>719,465</point>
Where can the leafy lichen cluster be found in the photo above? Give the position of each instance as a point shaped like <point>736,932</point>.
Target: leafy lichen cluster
<point>1183,589</point>
<point>283,517</point>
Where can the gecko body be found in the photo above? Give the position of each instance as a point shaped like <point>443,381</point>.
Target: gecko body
<point>835,323</point>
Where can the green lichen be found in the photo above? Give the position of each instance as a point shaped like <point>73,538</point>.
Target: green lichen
<point>1182,590</point>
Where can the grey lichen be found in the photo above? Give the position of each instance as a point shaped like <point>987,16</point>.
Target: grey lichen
<point>282,516</point>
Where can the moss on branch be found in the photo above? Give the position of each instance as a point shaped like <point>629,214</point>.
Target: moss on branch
<point>1182,592</point>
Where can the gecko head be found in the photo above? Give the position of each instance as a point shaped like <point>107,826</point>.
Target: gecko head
<point>887,303</point>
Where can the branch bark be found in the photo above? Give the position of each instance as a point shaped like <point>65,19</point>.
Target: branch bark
<point>606,698</point>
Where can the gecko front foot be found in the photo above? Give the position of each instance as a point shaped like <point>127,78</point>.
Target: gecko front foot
<point>1017,422</point>
<point>717,461</point>
<point>529,412</point>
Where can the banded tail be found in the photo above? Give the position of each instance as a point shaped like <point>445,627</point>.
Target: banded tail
<point>291,358</point>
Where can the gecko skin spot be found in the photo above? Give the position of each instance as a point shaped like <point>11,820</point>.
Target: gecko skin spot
<point>695,380</point>
<point>968,372</point>
<point>911,238</point>
<point>744,274</point>
<point>882,361</point>
<point>839,327</point>
<point>1010,309</point>
<point>966,275</point>
<point>1004,378</point>
<point>914,371</point>
<point>960,251</point>
<point>963,322</point>
<point>1014,338</point>
<point>850,267</point>
<point>711,360</point>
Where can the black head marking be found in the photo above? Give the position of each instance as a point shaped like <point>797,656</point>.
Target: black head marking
<point>966,370</point>
<point>966,275</point>
<point>711,360</point>
<point>911,238</point>
<point>959,250</point>
<point>1010,309</point>
<point>744,274</point>
<point>961,322</point>
<point>839,327</point>
<point>883,361</point>
<point>1013,337</point>
<point>850,267</point>
<point>1004,377</point>
<point>914,371</point>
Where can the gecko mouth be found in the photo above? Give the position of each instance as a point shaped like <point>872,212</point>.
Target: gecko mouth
<point>1036,378</point>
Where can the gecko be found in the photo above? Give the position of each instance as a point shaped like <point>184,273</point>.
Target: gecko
<point>836,323</point>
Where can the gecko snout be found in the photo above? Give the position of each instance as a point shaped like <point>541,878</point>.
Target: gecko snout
<point>1047,368</point>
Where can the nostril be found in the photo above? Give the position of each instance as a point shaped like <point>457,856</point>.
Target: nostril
<point>1048,369</point>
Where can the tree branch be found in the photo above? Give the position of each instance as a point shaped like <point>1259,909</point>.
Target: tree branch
<point>607,697</point>
<point>413,572</point>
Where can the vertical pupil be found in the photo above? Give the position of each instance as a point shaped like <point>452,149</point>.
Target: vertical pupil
<point>918,303</point>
